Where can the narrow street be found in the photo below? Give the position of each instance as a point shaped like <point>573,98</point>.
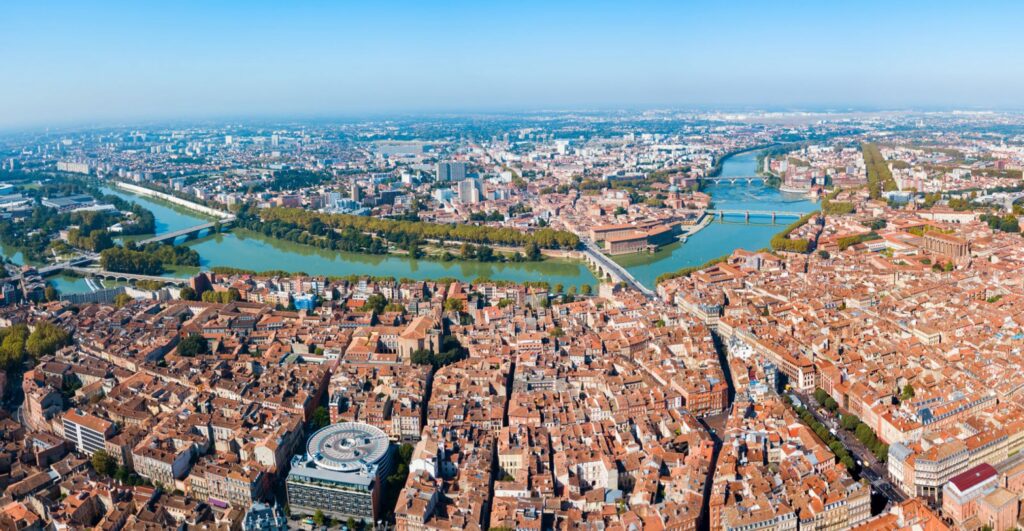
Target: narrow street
<point>715,425</point>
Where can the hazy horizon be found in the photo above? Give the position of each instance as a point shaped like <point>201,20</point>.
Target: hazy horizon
<point>71,64</point>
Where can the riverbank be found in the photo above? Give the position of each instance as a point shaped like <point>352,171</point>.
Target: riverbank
<point>690,230</point>
<point>246,249</point>
<point>191,205</point>
<point>719,166</point>
<point>509,250</point>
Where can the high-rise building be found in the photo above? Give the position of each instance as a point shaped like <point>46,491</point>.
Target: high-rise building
<point>356,193</point>
<point>450,171</point>
<point>470,191</point>
<point>73,167</point>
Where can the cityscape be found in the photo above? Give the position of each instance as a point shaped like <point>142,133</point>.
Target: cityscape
<point>508,314</point>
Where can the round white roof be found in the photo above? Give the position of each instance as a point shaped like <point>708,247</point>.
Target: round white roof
<point>347,447</point>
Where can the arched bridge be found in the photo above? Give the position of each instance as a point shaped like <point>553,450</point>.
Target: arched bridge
<point>609,270</point>
<point>733,179</point>
<point>125,277</point>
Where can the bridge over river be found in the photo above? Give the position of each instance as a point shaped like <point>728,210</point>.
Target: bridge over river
<point>79,260</point>
<point>747,214</point>
<point>169,237</point>
<point>733,179</point>
<point>607,268</point>
<point>125,277</point>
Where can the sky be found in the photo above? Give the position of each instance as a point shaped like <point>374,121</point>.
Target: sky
<point>104,62</point>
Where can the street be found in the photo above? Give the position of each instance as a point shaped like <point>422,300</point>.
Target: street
<point>871,468</point>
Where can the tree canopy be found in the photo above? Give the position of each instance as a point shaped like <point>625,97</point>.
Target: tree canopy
<point>16,342</point>
<point>192,345</point>
<point>399,231</point>
<point>147,260</point>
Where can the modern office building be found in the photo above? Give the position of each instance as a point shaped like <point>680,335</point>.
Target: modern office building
<point>88,433</point>
<point>341,473</point>
<point>450,171</point>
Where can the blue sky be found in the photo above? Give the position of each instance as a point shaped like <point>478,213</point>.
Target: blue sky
<point>100,62</point>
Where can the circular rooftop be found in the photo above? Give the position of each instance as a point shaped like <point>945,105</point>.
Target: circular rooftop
<point>348,446</point>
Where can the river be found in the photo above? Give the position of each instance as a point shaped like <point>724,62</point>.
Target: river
<point>720,238</point>
<point>249,250</point>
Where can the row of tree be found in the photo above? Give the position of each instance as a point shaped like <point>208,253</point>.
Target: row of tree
<point>493,215</point>
<point>686,271</point>
<point>317,235</point>
<point>292,180</point>
<point>959,204</point>
<point>782,241</point>
<point>826,436</point>
<point>865,435</point>
<point>221,297</point>
<point>879,176</point>
<point>124,260</point>
<point>853,424</point>
<point>849,241</point>
<point>399,231</point>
